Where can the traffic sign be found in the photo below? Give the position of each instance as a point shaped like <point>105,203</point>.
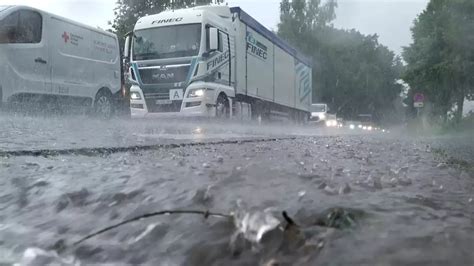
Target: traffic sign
<point>418,100</point>
<point>418,104</point>
<point>419,97</point>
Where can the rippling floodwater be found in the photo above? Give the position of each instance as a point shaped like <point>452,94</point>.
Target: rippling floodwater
<point>404,206</point>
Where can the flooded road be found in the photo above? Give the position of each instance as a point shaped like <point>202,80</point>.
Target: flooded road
<point>354,198</point>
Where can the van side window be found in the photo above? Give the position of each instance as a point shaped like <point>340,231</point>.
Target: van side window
<point>8,28</point>
<point>30,27</point>
<point>23,26</point>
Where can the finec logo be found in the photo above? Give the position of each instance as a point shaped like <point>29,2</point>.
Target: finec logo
<point>256,48</point>
<point>168,20</point>
<point>218,60</point>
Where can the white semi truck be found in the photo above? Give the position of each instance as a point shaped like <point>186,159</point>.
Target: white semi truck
<point>214,61</point>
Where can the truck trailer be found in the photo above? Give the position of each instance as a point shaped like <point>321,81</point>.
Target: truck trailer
<point>214,61</point>
<point>45,57</point>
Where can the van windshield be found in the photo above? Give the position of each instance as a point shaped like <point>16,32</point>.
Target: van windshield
<point>318,108</point>
<point>167,42</point>
<point>2,8</point>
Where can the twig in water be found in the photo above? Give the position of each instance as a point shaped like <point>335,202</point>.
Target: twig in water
<point>149,215</point>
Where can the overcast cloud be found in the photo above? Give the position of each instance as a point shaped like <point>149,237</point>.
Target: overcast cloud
<point>390,19</point>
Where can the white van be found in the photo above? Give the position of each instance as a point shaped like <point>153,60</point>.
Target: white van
<point>46,56</point>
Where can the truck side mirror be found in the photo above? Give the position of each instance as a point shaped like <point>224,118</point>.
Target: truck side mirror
<point>213,39</point>
<point>126,48</point>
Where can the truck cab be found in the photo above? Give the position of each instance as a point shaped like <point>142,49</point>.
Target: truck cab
<point>318,112</point>
<point>180,63</point>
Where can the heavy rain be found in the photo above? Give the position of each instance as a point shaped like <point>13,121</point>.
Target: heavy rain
<point>334,149</point>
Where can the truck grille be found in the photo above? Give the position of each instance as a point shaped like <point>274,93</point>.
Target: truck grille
<point>158,95</point>
<point>175,106</point>
<point>164,75</point>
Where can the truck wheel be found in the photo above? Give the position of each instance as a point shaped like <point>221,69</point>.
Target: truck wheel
<point>222,106</point>
<point>103,105</point>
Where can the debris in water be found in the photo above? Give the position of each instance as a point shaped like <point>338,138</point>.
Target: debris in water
<point>442,166</point>
<point>148,229</point>
<point>206,165</point>
<point>470,200</point>
<point>346,189</point>
<point>301,194</point>
<point>393,181</point>
<point>220,159</point>
<point>330,190</point>
<point>37,256</point>
<point>253,225</point>
<point>338,218</point>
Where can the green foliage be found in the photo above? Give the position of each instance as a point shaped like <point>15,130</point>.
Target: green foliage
<point>352,72</point>
<point>128,12</point>
<point>440,61</point>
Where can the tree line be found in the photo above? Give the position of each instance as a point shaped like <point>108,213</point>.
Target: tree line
<point>352,72</point>
<point>440,61</point>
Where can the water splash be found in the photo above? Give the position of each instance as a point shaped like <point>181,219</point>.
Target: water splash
<point>37,256</point>
<point>253,225</point>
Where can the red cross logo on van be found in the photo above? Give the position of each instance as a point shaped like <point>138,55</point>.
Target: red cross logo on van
<point>65,37</point>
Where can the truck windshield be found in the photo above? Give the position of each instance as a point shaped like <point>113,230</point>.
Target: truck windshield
<point>167,42</point>
<point>318,108</point>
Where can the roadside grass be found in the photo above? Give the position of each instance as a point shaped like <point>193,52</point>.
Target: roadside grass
<point>423,127</point>
<point>453,162</point>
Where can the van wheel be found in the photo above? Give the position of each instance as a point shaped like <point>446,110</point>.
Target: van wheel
<point>222,106</point>
<point>103,106</point>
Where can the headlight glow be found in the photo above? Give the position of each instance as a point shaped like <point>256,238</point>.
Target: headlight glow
<point>194,93</point>
<point>352,126</point>
<point>135,96</point>
<point>331,123</point>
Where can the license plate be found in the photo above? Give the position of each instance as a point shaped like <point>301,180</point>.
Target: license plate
<point>164,102</point>
<point>176,94</point>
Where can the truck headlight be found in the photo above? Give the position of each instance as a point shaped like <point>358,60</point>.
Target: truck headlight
<point>135,96</point>
<point>194,93</point>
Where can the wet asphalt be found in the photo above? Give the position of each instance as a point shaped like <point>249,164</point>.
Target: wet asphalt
<point>356,198</point>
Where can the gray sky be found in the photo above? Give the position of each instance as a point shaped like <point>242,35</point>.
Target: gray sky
<point>390,19</point>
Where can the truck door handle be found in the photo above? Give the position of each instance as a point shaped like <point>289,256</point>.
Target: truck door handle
<point>40,60</point>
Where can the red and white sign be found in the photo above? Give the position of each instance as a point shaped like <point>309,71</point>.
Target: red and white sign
<point>419,97</point>
<point>418,100</point>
